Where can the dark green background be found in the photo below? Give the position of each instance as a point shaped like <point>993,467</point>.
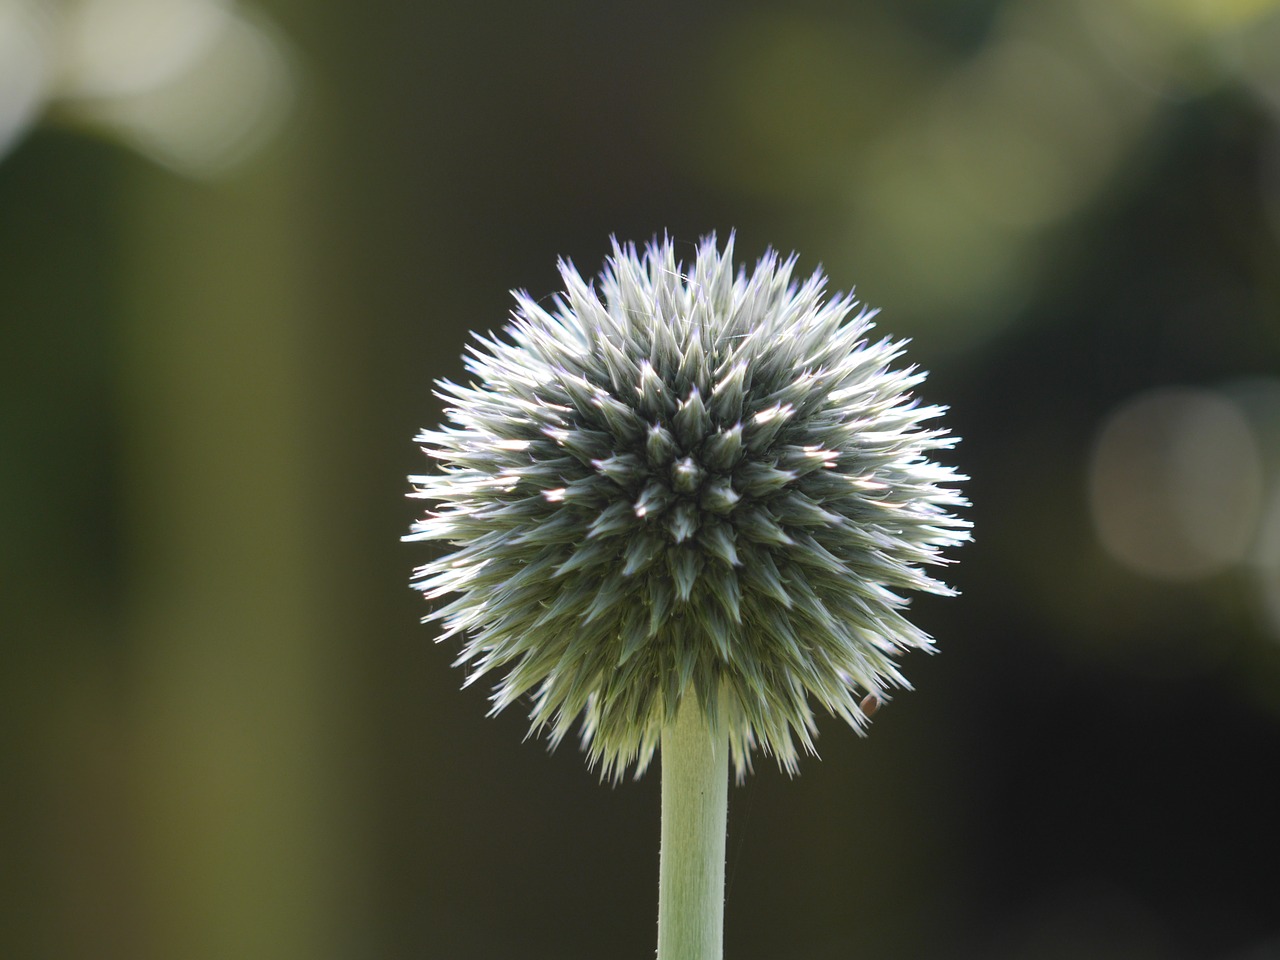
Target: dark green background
<point>226,734</point>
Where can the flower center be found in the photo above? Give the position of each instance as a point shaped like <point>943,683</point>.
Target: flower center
<point>686,476</point>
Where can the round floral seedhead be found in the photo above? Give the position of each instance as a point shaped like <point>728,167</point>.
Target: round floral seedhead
<point>687,482</point>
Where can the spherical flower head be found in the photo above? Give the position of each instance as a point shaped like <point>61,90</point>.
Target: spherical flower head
<point>686,481</point>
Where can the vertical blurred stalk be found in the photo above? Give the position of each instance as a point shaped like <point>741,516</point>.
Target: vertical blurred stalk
<point>243,847</point>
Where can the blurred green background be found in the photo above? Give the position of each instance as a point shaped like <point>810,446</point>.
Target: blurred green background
<point>239,241</point>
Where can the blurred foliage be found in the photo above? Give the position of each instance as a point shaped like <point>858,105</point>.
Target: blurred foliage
<point>196,85</point>
<point>225,733</point>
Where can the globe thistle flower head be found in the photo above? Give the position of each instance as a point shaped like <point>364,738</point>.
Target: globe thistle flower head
<point>685,481</point>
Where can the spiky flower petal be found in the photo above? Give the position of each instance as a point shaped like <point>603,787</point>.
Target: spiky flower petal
<point>686,483</point>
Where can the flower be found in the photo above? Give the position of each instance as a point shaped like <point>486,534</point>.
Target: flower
<point>686,483</point>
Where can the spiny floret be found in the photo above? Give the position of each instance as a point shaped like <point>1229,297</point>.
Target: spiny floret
<point>685,482</point>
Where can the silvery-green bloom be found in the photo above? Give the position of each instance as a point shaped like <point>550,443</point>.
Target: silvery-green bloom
<point>686,481</point>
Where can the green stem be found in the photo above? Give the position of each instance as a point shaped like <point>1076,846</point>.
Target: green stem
<point>695,804</point>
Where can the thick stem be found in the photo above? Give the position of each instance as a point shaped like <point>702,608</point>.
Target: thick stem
<point>695,803</point>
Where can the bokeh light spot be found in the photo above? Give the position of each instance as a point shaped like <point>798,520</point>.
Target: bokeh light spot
<point>203,113</point>
<point>121,47</point>
<point>1176,484</point>
<point>23,69</point>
